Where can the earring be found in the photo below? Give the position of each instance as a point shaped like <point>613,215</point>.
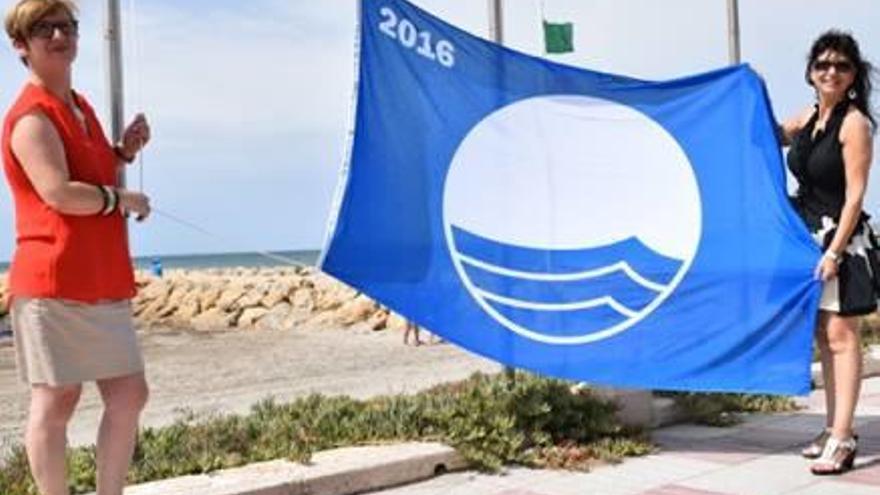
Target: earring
<point>852,93</point>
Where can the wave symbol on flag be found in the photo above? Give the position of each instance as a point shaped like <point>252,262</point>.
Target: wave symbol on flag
<point>569,219</point>
<point>599,287</point>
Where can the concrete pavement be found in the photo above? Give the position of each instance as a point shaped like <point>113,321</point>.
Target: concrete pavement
<point>759,456</point>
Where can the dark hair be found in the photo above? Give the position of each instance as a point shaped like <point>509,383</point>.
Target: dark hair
<point>844,44</point>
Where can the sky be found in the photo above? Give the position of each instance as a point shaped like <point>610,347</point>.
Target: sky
<point>250,101</point>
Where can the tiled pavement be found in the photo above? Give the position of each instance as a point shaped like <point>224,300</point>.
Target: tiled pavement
<point>759,456</point>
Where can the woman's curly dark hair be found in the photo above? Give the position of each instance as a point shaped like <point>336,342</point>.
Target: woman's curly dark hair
<point>844,44</point>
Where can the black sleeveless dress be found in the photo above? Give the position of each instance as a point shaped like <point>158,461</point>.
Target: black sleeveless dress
<point>817,164</point>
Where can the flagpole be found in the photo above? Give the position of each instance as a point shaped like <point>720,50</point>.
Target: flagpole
<point>496,16</point>
<point>733,32</point>
<point>113,47</point>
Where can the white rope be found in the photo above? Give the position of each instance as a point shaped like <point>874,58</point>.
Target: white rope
<point>135,55</point>
<point>206,232</point>
<point>135,52</point>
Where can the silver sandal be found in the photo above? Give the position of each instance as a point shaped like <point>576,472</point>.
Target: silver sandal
<point>838,457</point>
<point>817,445</point>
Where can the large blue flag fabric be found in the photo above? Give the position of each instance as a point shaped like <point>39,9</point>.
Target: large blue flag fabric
<point>578,224</point>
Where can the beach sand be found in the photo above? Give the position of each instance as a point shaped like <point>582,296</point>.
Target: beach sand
<point>228,372</point>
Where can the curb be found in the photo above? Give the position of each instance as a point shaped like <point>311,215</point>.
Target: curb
<point>344,471</point>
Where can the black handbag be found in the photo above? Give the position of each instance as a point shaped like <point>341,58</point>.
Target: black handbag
<point>873,253</point>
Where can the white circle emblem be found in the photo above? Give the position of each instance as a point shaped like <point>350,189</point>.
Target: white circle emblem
<point>570,218</point>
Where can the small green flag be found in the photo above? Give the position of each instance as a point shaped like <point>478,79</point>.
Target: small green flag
<point>558,37</point>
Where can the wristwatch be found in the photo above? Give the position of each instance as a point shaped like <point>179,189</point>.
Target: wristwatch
<point>832,255</point>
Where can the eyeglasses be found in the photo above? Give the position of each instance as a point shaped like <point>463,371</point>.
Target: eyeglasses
<point>46,29</point>
<point>826,65</point>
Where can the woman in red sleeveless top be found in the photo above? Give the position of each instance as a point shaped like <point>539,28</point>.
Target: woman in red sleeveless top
<point>71,276</point>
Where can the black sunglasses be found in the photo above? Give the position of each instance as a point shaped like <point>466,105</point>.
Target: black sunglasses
<point>826,65</point>
<point>46,29</point>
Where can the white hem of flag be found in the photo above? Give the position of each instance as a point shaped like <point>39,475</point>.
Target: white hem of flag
<point>344,172</point>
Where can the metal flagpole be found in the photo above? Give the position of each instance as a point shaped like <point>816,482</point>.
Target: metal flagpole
<point>113,45</point>
<point>496,28</point>
<point>733,32</point>
<point>496,32</point>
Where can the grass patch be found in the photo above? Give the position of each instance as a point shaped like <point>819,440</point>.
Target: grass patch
<point>716,409</point>
<point>490,420</point>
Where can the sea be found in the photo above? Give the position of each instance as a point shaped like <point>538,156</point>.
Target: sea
<point>222,260</point>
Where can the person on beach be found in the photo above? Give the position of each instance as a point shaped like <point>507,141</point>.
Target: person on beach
<point>71,277</point>
<point>829,155</point>
<point>411,329</point>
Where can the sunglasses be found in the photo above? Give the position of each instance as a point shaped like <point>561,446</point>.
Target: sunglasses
<point>46,29</point>
<point>826,65</point>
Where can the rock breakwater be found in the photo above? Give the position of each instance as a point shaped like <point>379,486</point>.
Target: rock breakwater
<point>276,298</point>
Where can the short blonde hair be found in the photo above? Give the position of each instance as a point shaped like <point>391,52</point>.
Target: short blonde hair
<point>25,13</point>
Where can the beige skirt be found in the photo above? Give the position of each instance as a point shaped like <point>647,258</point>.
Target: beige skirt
<point>61,342</point>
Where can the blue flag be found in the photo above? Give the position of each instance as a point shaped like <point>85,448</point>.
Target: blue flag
<point>578,224</point>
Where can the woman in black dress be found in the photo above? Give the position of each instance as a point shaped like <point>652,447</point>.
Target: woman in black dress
<point>830,153</point>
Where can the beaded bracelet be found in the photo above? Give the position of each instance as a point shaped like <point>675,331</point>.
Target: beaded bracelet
<point>112,200</point>
<point>105,198</point>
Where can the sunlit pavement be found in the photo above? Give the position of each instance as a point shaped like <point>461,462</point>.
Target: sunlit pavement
<point>758,456</point>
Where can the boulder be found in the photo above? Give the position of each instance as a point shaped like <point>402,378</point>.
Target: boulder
<point>277,293</point>
<point>230,296</point>
<point>178,294</point>
<point>323,283</point>
<point>323,319</point>
<point>153,311</point>
<point>253,297</point>
<point>396,322</point>
<point>155,289</point>
<point>276,318</point>
<point>356,310</point>
<point>250,316</point>
<point>302,299</point>
<point>213,319</point>
<point>296,316</point>
<point>189,306</point>
<point>333,297</point>
<point>210,296</point>
<point>378,320</point>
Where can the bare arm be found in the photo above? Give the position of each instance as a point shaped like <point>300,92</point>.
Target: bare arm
<point>855,136</point>
<point>40,151</point>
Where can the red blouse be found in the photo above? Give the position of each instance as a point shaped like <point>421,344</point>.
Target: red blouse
<point>82,258</point>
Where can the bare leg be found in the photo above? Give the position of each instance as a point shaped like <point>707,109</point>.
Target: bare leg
<point>827,367</point>
<point>842,334</point>
<point>411,329</point>
<point>846,352</point>
<point>124,398</point>
<point>46,435</point>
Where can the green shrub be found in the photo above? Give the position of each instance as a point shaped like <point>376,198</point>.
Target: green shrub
<point>490,420</point>
<point>715,409</point>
